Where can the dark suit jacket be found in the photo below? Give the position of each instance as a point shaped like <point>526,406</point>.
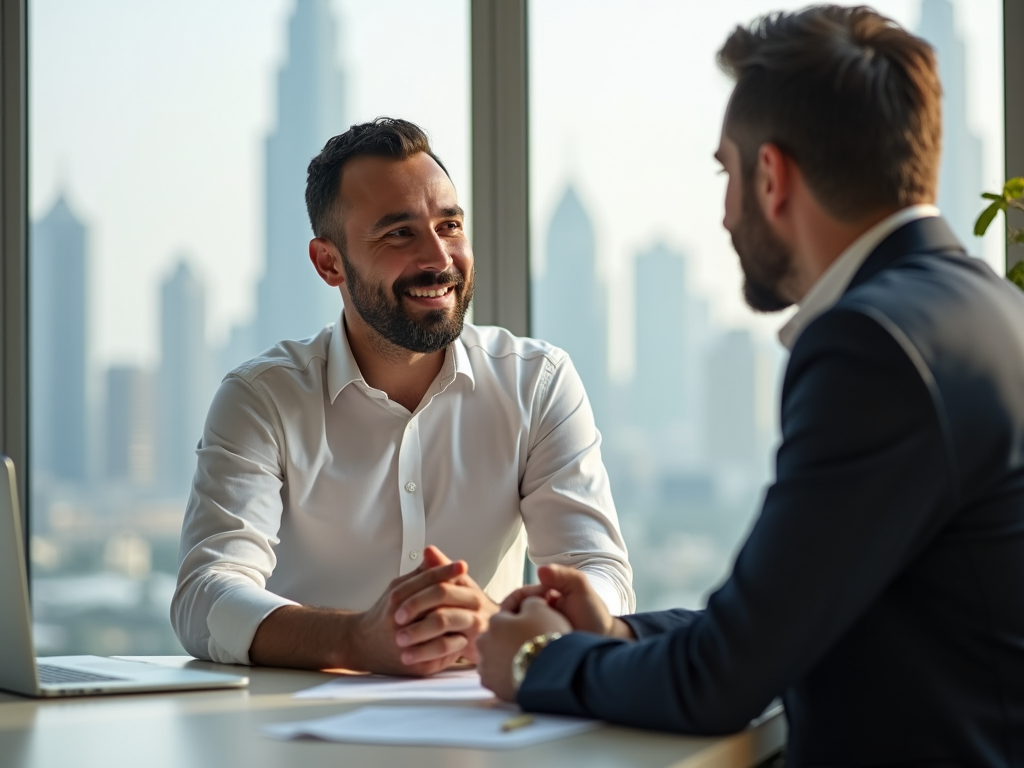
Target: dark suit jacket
<point>881,590</point>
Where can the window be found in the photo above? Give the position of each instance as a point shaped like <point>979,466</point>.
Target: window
<point>169,143</point>
<point>634,275</point>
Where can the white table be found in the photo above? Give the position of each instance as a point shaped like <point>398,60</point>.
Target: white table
<point>219,729</point>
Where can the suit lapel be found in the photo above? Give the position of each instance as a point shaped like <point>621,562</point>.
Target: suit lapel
<point>928,235</point>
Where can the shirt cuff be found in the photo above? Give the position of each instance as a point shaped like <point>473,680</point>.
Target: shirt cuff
<point>609,593</point>
<point>234,619</point>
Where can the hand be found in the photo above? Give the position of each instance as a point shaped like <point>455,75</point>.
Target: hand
<point>569,592</point>
<point>430,618</point>
<point>508,631</point>
<point>373,634</point>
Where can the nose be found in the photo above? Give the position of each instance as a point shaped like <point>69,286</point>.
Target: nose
<point>435,257</point>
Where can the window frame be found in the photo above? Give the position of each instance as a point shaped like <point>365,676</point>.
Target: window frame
<point>500,152</point>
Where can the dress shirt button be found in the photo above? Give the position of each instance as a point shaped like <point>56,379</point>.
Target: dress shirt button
<point>413,555</point>
<point>409,425</point>
<point>410,487</point>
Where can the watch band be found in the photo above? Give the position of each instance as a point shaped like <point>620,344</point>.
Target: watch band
<point>527,652</point>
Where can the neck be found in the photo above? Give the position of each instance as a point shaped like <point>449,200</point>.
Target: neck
<point>820,239</point>
<point>403,375</point>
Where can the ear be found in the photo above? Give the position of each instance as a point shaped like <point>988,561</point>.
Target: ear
<point>773,181</point>
<point>327,261</point>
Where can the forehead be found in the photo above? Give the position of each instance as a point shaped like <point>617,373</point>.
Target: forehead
<point>375,184</point>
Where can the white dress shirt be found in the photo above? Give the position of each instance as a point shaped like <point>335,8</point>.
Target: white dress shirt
<point>314,488</point>
<point>833,283</point>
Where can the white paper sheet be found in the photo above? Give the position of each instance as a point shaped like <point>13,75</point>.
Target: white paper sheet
<point>460,685</point>
<point>440,726</point>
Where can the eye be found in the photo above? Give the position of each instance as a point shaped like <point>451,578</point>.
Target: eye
<point>400,232</point>
<point>451,226</point>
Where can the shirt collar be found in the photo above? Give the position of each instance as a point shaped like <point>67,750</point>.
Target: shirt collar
<point>833,283</point>
<point>342,368</point>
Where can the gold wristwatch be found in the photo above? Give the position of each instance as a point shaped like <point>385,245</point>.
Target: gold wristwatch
<point>527,653</point>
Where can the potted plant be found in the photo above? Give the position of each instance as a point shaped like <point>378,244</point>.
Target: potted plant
<point>1012,197</point>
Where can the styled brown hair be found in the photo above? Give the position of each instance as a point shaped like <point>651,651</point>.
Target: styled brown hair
<point>852,97</point>
<point>384,137</point>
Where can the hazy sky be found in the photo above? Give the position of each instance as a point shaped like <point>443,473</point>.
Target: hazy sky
<point>152,116</point>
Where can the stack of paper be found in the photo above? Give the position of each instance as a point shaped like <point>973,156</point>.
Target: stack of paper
<point>440,726</point>
<point>463,685</point>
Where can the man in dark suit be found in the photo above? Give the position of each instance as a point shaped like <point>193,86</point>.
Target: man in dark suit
<point>881,590</point>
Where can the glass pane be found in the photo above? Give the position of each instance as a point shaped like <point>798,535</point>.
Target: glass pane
<point>169,143</point>
<point>635,276</point>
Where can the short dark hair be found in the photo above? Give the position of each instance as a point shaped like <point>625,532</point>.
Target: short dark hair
<point>852,97</point>
<point>384,137</point>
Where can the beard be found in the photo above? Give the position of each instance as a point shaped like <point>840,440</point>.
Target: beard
<point>767,262</point>
<point>383,311</point>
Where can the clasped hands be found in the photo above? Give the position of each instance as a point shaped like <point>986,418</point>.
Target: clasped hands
<point>563,601</point>
<point>425,621</point>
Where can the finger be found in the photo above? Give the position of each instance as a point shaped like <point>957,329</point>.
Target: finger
<point>515,599</point>
<point>437,665</point>
<point>562,578</point>
<point>534,605</point>
<point>443,621</point>
<point>433,556</point>
<point>438,648</point>
<point>435,596</point>
<point>421,581</point>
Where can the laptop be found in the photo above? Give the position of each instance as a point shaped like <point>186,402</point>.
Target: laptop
<point>20,670</point>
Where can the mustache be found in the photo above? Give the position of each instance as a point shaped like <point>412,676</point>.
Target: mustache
<point>451,277</point>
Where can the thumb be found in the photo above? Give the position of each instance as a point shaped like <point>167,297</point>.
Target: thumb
<point>532,605</point>
<point>559,577</point>
<point>432,557</point>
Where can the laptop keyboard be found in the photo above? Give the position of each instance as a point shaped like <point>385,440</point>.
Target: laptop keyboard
<point>52,675</point>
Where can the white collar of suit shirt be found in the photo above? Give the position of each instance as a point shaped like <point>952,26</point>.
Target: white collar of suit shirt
<point>343,370</point>
<point>833,283</point>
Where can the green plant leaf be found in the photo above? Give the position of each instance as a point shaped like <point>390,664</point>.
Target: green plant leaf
<point>981,225</point>
<point>1015,274</point>
<point>992,196</point>
<point>1014,188</point>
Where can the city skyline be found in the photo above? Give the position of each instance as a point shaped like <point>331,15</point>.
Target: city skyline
<point>165,298</point>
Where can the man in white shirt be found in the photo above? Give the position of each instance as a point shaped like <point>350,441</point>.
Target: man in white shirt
<point>329,466</point>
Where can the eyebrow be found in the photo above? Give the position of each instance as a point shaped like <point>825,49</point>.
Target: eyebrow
<point>390,219</point>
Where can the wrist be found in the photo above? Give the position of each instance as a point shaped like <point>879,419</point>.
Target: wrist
<point>621,630</point>
<point>527,654</point>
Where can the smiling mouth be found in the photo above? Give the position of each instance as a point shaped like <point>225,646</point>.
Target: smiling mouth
<point>430,293</point>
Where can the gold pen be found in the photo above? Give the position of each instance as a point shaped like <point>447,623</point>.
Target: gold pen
<point>516,722</point>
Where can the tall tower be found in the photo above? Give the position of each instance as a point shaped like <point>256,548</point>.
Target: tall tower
<point>960,176</point>
<point>59,332</point>
<point>664,385</point>
<point>183,381</point>
<point>129,434</point>
<point>571,307</point>
<point>292,301</point>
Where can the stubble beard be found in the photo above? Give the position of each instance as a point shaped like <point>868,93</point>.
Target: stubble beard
<point>382,310</point>
<point>767,262</point>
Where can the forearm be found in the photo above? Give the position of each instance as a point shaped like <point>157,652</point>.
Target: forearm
<point>302,637</point>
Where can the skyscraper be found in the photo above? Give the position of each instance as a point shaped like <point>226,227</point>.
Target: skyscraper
<point>183,384</point>
<point>571,306</point>
<point>129,434</point>
<point>292,301</point>
<point>960,177</point>
<point>59,319</point>
<point>664,389</point>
